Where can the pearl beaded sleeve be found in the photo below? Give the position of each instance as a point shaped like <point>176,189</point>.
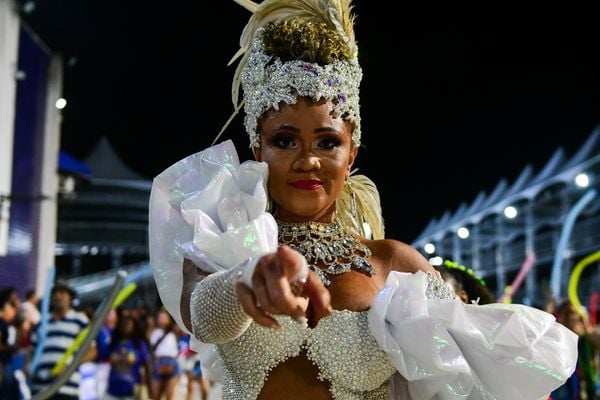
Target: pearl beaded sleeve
<point>217,314</point>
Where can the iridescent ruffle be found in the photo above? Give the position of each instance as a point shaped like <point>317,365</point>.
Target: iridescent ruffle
<point>210,209</point>
<point>445,349</point>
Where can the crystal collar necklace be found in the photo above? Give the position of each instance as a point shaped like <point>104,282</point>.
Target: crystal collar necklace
<point>326,243</point>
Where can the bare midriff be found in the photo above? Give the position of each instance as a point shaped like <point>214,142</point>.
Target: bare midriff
<point>295,379</point>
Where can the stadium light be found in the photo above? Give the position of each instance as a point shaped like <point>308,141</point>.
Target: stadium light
<point>429,248</point>
<point>436,261</point>
<point>510,212</point>
<point>60,103</point>
<point>582,180</point>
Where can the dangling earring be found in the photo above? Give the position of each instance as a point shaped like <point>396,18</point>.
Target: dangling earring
<point>353,209</point>
<point>270,206</point>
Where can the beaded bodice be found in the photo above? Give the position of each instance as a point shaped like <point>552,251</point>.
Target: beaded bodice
<point>340,345</point>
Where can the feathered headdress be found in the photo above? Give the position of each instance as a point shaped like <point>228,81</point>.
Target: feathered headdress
<point>335,13</point>
<point>359,208</point>
<point>267,81</point>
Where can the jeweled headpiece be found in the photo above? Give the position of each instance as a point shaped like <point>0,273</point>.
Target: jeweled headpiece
<point>267,79</point>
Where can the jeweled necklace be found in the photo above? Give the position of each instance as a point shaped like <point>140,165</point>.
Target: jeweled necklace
<point>328,243</point>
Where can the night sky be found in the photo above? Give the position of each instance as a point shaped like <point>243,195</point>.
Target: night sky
<point>451,103</point>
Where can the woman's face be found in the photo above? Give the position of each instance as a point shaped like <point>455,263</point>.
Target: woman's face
<point>163,319</point>
<point>127,327</point>
<point>309,153</point>
<point>9,311</point>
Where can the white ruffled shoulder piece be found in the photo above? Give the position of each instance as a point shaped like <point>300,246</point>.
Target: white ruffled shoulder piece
<point>445,349</point>
<point>210,209</point>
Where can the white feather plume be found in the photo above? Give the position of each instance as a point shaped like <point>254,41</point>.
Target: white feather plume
<point>335,13</point>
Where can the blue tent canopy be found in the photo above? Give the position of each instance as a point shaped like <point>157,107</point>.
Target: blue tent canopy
<point>69,164</point>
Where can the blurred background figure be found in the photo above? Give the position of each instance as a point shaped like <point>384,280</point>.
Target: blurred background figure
<point>30,308</point>
<point>8,311</point>
<point>130,360</point>
<point>30,315</point>
<point>584,384</point>
<point>189,362</point>
<point>16,328</point>
<point>63,327</point>
<point>165,349</point>
<point>145,316</point>
<point>88,369</point>
<point>103,342</point>
<point>468,286</point>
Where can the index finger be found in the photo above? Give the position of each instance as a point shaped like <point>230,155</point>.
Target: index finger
<point>317,294</point>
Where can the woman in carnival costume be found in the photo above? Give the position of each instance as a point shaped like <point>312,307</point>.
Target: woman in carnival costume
<point>279,269</point>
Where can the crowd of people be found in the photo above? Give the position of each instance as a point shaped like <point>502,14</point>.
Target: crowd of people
<point>137,354</point>
<point>141,355</point>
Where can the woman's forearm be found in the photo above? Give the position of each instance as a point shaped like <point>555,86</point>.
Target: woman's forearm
<point>215,312</point>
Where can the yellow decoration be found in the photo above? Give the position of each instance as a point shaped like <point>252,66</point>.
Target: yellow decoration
<point>507,299</point>
<point>574,280</point>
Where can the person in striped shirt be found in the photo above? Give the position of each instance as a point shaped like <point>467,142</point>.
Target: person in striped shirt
<point>63,327</point>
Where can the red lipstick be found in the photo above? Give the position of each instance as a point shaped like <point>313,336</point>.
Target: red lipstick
<point>307,185</point>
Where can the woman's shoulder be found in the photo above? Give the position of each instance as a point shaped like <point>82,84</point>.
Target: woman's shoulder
<point>395,255</point>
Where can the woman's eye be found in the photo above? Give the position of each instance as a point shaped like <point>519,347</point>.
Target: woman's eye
<point>282,141</point>
<point>329,143</point>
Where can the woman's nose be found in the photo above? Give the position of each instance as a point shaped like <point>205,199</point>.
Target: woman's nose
<point>307,161</point>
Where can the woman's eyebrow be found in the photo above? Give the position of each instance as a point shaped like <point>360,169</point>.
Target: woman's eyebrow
<point>328,129</point>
